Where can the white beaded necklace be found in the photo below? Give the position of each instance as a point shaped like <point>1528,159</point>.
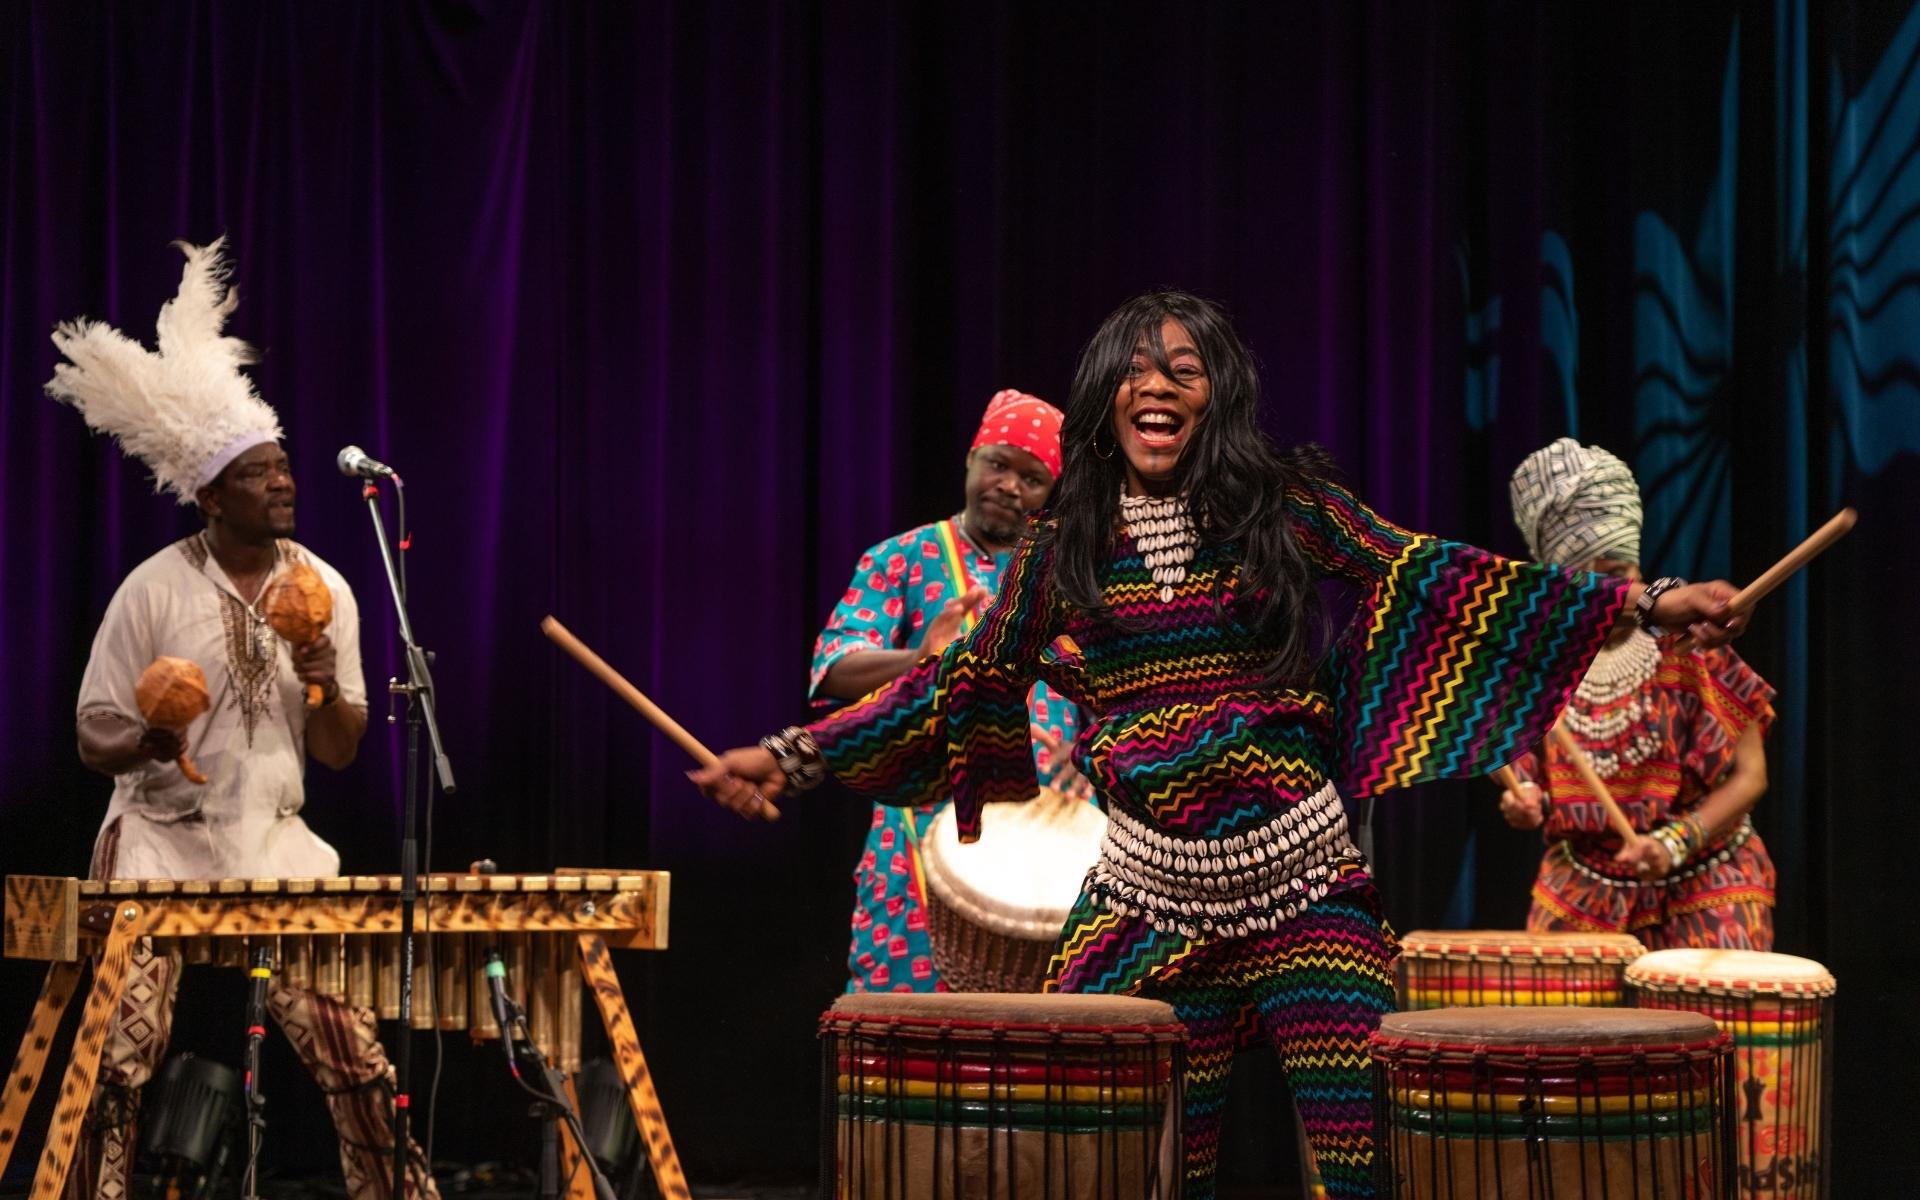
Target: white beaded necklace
<point>1163,529</point>
<point>1618,673</point>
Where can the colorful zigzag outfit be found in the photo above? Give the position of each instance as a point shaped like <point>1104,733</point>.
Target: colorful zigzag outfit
<point>1228,885</point>
<point>1661,726</point>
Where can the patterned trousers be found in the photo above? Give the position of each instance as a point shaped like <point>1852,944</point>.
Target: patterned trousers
<point>338,1043</point>
<point>1314,989</point>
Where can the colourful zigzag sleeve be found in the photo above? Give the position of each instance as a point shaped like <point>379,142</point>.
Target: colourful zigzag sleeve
<point>957,724</point>
<point>1459,658</point>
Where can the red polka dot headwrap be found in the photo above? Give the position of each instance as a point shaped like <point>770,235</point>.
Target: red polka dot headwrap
<point>1024,422</point>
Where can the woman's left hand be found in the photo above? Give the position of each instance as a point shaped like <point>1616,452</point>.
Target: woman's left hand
<point>1647,858</point>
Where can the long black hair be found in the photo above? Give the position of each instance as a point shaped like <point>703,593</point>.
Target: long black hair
<point>1234,477</point>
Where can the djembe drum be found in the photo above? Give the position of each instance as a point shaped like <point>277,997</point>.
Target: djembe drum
<point>1567,1103</point>
<point>995,908</point>
<point>1779,1009</point>
<point>1453,968</point>
<point>171,694</point>
<point>962,1096</point>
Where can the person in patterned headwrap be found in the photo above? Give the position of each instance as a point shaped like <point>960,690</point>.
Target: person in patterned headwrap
<point>910,596</point>
<point>1180,567</point>
<point>1676,734</point>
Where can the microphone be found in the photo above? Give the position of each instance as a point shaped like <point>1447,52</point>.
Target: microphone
<point>496,973</point>
<point>352,460</point>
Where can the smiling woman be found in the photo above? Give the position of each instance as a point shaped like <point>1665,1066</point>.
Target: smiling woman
<point>1164,394</point>
<point>1181,565</point>
<point>1167,381</point>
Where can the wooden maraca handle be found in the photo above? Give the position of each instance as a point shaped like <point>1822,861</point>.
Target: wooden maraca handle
<point>189,770</point>
<point>185,760</point>
<point>315,694</point>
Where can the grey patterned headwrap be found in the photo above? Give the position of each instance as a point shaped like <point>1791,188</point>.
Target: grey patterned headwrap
<point>1575,503</point>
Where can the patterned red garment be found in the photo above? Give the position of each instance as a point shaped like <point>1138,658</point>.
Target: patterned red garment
<point>1691,715</point>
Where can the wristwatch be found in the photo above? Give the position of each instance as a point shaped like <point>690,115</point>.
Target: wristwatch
<point>1643,608</point>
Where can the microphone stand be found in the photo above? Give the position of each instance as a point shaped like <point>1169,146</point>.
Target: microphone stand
<point>257,979</point>
<point>419,694</point>
<point>551,1105</point>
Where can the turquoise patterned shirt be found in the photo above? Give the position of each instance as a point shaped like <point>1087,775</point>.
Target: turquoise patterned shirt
<point>898,587</point>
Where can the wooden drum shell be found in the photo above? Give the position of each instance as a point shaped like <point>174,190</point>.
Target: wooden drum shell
<point>984,1097</point>
<point>1552,1104</point>
<point>1778,1009</point>
<point>1467,968</point>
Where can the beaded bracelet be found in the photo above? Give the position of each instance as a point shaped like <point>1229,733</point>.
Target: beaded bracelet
<point>1696,831</point>
<point>1673,843</point>
<point>1681,838</point>
<point>799,757</point>
<point>1643,611</point>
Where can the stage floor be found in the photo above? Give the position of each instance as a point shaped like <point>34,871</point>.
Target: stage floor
<point>516,1185</point>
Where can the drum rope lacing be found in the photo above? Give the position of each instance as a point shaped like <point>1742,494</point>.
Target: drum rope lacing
<point>1246,882</point>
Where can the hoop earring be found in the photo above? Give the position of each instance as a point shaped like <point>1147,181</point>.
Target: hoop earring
<point>1096,446</point>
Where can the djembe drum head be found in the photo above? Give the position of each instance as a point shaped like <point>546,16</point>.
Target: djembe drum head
<point>1451,968</point>
<point>1778,1008</point>
<point>967,1096</point>
<point>995,908</point>
<point>1571,1103</point>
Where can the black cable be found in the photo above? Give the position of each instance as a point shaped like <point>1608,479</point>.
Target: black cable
<point>433,972</point>
<point>426,866</point>
<point>406,539</point>
<point>558,1102</point>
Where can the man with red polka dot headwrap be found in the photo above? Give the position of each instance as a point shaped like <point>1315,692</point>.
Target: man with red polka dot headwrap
<point>910,596</point>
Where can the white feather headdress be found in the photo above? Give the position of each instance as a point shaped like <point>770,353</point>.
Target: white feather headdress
<point>185,411</point>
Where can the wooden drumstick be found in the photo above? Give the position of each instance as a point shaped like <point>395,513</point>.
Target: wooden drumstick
<point>1597,785</point>
<point>562,637</point>
<point>1508,778</point>
<point>1835,529</point>
<point>1817,542</point>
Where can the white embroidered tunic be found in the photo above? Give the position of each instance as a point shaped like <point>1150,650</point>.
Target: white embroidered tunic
<point>250,744</point>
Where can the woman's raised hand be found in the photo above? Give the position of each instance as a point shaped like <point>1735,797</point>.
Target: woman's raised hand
<point>1702,611</point>
<point>746,780</point>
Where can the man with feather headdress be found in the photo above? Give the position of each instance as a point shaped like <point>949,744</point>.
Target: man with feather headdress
<point>190,415</point>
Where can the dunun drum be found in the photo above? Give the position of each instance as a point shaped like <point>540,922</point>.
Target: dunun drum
<point>1587,1103</point>
<point>995,908</point>
<point>987,1097</point>
<point>1454,968</point>
<point>1779,1010</point>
